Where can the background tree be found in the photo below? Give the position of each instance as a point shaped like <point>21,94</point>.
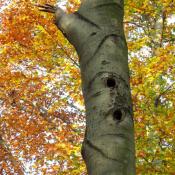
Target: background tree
<point>150,29</point>
<point>42,119</point>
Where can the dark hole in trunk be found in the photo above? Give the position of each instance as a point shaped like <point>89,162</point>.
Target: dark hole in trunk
<point>111,82</point>
<point>117,115</point>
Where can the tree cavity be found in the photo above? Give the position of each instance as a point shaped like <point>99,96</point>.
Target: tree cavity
<point>117,115</point>
<point>111,83</point>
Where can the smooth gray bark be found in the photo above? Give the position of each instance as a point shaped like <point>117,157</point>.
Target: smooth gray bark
<point>96,31</point>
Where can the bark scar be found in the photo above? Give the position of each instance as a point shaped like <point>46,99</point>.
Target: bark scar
<point>91,145</point>
<point>86,19</point>
<point>102,42</point>
<point>109,4</point>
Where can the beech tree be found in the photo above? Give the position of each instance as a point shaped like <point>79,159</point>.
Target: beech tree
<point>96,32</point>
<point>42,118</point>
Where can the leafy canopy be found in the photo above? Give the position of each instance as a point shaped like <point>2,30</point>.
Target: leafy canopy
<point>41,104</point>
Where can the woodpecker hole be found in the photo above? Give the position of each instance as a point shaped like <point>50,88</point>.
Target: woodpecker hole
<point>117,115</point>
<point>111,82</point>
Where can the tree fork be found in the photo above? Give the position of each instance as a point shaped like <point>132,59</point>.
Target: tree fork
<point>96,32</point>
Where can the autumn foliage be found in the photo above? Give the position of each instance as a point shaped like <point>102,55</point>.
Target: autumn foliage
<point>42,117</point>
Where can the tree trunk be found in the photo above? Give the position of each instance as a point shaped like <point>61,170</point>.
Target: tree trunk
<point>96,31</point>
